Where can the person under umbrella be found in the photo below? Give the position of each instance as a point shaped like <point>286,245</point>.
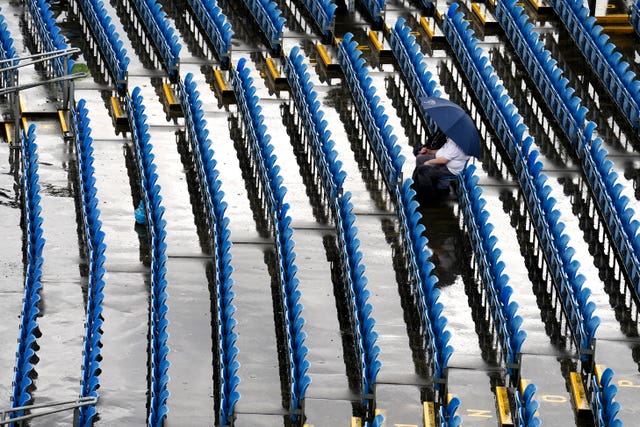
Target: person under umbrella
<point>449,149</point>
<point>432,165</point>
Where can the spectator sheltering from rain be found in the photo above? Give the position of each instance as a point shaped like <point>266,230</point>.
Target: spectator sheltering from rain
<point>448,150</point>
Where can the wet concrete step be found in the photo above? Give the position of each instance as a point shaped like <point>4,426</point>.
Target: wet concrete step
<point>259,420</point>
<point>327,412</point>
<point>553,393</point>
<point>12,278</point>
<point>258,353</point>
<point>399,404</point>
<point>190,343</point>
<point>62,309</point>
<point>474,389</point>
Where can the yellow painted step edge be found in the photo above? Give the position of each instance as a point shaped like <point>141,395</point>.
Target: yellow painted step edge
<point>476,10</point>
<point>323,55</point>
<point>424,23</point>
<point>220,80</point>
<point>504,409</point>
<point>271,66</point>
<point>63,121</point>
<point>374,39</point>
<point>428,414</point>
<point>578,393</point>
<point>168,93</point>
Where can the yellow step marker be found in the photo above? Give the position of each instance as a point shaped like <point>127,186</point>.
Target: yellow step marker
<point>599,369</point>
<point>275,78</point>
<point>540,6</point>
<point>172,104</point>
<point>614,19</point>
<point>22,104</point>
<point>617,29</point>
<point>223,92</point>
<point>534,4</point>
<point>504,409</point>
<point>8,129</point>
<point>424,23</point>
<point>168,94</point>
<point>478,12</point>
<point>356,422</point>
<point>428,414</point>
<point>119,117</point>
<point>25,125</point>
<point>220,80</point>
<point>578,394</point>
<point>373,36</point>
<point>63,121</point>
<point>271,67</point>
<point>116,109</point>
<point>324,56</point>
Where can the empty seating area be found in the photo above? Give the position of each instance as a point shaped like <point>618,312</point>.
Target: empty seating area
<point>329,82</point>
<point>94,254</point>
<point>102,36</point>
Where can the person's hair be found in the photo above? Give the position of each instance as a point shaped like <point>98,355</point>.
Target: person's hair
<point>436,141</point>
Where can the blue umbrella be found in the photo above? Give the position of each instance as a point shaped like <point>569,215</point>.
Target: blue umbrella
<point>454,121</point>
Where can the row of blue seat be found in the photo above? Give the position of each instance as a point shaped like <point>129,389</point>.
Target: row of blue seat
<point>510,130</point>
<point>606,63</point>
<point>43,23</point>
<point>215,26</point>
<point>390,160</point>
<point>7,51</point>
<point>362,320</point>
<point>262,152</point>
<point>543,69</point>
<point>323,13</point>
<point>26,356</point>
<point>634,15</point>
<point>603,403</point>
<point>108,40</point>
<point>487,255</point>
<point>157,26</point>
<point>216,207</point>
<point>423,280</point>
<point>372,114</point>
<point>154,211</point>
<point>410,60</point>
<point>527,413</point>
<point>315,126</point>
<point>375,8</point>
<point>616,214</point>
<point>94,247</point>
<point>269,17</point>
<point>332,178</point>
<point>421,83</point>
